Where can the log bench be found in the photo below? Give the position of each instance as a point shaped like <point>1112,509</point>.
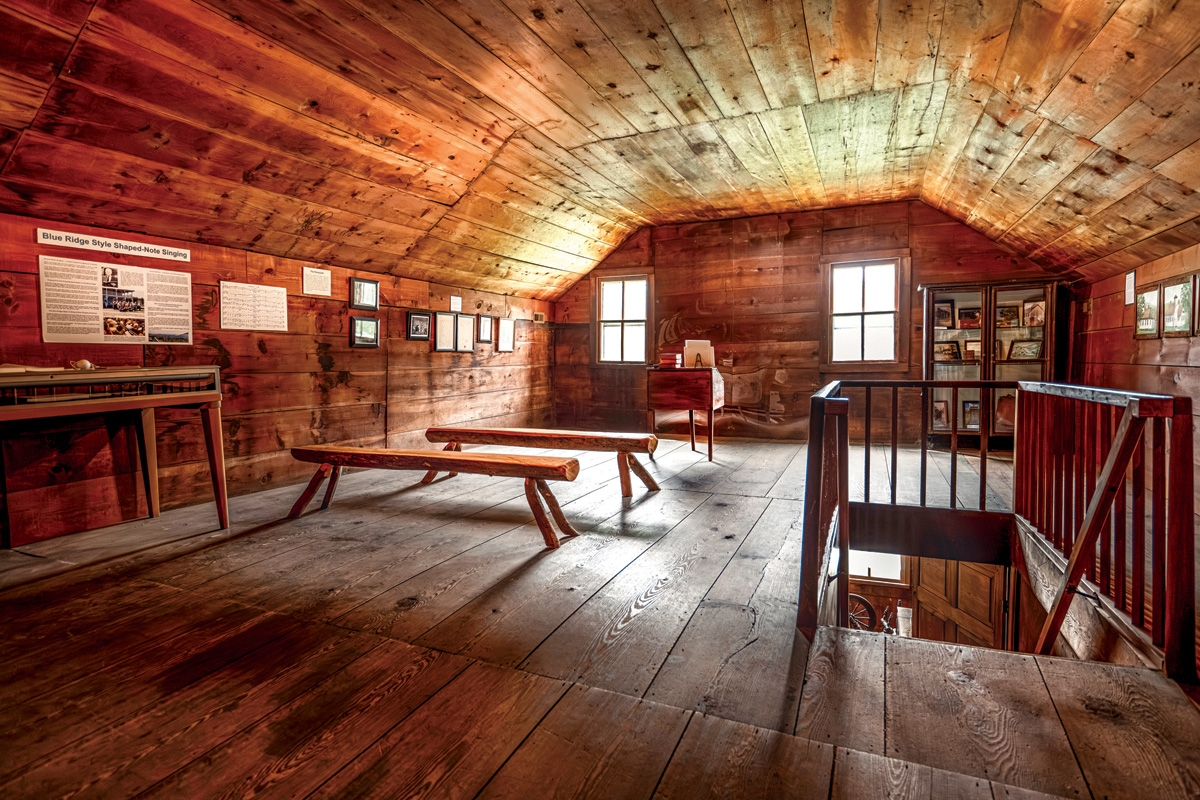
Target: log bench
<point>536,470</point>
<point>624,444</point>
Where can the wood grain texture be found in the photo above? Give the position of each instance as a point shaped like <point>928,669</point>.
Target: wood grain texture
<point>508,465</point>
<point>843,700</point>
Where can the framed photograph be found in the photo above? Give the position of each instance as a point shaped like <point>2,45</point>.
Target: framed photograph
<point>1033,312</point>
<point>943,314</point>
<point>419,325</point>
<point>364,294</point>
<point>946,351</point>
<point>464,333</point>
<point>1006,413</point>
<point>443,331</point>
<point>487,327</point>
<point>506,335</point>
<point>1177,302</point>
<point>1145,325</point>
<point>1008,316</point>
<point>970,414</point>
<point>974,349</point>
<point>969,318</point>
<point>941,413</point>
<point>364,332</point>
<point>1025,349</point>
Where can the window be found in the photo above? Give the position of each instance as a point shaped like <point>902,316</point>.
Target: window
<point>864,311</point>
<point>621,310</point>
<point>877,566</point>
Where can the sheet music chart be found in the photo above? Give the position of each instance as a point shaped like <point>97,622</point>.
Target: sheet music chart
<point>248,307</point>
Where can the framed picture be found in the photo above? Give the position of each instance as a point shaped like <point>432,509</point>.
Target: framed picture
<point>464,333</point>
<point>506,335</point>
<point>968,317</point>
<point>974,349</point>
<point>1034,313</point>
<point>1008,316</point>
<point>1177,302</point>
<point>1006,413</point>
<point>946,351</point>
<point>487,326</point>
<point>443,331</point>
<point>970,414</point>
<point>941,413</point>
<point>1024,349</point>
<point>364,294</point>
<point>419,325</point>
<point>1145,325</point>
<point>364,332</point>
<point>943,314</point>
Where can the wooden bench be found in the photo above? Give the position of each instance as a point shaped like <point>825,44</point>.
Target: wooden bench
<point>624,444</point>
<point>536,470</point>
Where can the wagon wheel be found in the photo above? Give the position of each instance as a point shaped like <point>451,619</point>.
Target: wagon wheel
<point>862,613</point>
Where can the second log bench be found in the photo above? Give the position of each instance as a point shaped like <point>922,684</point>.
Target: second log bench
<point>624,444</point>
<point>536,470</point>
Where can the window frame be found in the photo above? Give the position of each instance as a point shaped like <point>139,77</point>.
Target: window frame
<point>599,278</point>
<point>901,334</point>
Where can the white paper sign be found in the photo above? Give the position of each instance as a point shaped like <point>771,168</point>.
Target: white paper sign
<point>84,241</point>
<point>249,307</point>
<point>1130,277</point>
<point>318,281</point>
<point>88,301</point>
<point>455,303</point>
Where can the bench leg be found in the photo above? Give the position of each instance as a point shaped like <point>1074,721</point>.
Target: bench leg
<point>623,469</point>
<point>429,476</point>
<point>555,511</point>
<point>641,472</point>
<point>310,490</point>
<point>539,514</point>
<point>333,480</point>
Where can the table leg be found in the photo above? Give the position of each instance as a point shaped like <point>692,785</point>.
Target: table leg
<point>710,433</point>
<point>215,444</point>
<point>692,426</point>
<point>148,451</point>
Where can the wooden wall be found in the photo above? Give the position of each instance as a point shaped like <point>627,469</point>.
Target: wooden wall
<point>281,390</point>
<point>752,287</point>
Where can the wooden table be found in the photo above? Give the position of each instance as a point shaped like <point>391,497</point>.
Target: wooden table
<point>691,388</point>
<point>45,395</point>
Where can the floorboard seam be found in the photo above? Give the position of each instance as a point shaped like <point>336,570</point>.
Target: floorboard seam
<point>1058,714</point>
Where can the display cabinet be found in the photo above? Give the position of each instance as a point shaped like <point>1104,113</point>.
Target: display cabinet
<point>975,332</point>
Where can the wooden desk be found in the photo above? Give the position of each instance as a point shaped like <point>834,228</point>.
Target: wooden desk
<point>691,388</point>
<point>44,395</point>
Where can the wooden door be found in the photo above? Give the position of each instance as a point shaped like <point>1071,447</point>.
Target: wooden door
<point>958,601</point>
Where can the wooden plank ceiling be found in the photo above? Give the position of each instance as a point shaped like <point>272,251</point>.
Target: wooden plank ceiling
<point>509,145</point>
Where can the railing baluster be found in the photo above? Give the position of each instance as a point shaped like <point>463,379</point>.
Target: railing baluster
<point>867,452</point>
<point>1120,558</point>
<point>1105,413</point>
<point>1179,658</point>
<point>1090,434</point>
<point>1080,473</point>
<point>985,417</point>
<point>924,437</point>
<point>1138,587</point>
<point>895,433</point>
<point>954,447</point>
<point>1158,534</point>
<point>1067,440</point>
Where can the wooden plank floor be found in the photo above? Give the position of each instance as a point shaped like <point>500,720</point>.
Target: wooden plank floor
<point>419,641</point>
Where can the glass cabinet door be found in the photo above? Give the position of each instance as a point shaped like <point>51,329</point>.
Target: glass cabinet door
<point>1020,345</point>
<point>957,341</point>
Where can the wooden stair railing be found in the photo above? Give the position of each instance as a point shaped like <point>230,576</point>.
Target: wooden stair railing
<point>1082,482</point>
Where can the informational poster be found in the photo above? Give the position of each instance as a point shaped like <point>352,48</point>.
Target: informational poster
<point>1130,277</point>
<point>87,301</point>
<point>318,281</point>
<point>249,307</point>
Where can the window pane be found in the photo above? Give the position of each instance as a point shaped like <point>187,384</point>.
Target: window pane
<point>610,299</point>
<point>847,289</point>
<point>880,341</point>
<point>610,341</point>
<point>635,299</point>
<point>881,288</point>
<point>883,566</point>
<point>635,341</point>
<point>847,338</point>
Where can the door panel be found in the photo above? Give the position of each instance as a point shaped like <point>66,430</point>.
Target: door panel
<point>958,602</point>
